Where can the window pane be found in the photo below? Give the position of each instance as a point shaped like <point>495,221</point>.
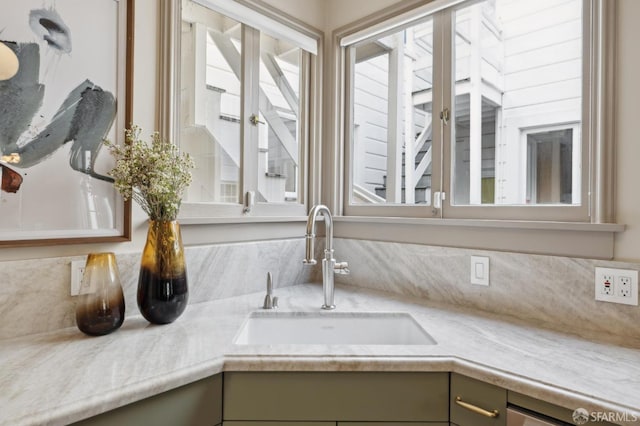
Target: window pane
<point>517,78</point>
<point>391,148</point>
<point>550,171</point>
<point>210,106</point>
<point>279,134</point>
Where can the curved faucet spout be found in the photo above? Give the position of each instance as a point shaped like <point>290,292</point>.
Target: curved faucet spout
<point>311,231</point>
<point>329,264</point>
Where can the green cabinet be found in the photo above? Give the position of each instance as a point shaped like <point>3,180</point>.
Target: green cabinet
<point>476,403</point>
<point>195,404</point>
<point>336,397</point>
<point>332,399</point>
<point>393,424</point>
<point>254,423</point>
<point>294,423</point>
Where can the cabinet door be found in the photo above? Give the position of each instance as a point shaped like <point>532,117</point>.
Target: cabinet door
<point>195,404</point>
<point>257,423</point>
<point>353,396</point>
<point>393,423</point>
<point>473,402</point>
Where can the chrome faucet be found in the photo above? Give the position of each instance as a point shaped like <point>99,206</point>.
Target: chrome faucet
<point>329,264</point>
<point>270,301</point>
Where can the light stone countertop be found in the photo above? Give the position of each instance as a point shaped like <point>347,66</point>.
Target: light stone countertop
<point>65,376</point>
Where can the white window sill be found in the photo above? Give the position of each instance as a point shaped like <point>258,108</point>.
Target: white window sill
<point>239,220</point>
<point>572,239</point>
<point>234,229</point>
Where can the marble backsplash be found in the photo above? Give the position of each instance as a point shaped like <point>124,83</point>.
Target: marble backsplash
<point>35,294</point>
<point>549,291</point>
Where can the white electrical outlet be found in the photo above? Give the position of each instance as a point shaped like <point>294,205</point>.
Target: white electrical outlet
<point>606,285</point>
<point>616,286</point>
<point>77,271</point>
<point>623,286</point>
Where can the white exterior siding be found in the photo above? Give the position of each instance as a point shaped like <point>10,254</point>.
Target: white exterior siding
<point>542,81</point>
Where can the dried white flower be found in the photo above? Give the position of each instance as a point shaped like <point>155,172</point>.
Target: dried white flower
<point>154,175</point>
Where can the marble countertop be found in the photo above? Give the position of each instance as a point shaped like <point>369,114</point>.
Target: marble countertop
<point>65,376</point>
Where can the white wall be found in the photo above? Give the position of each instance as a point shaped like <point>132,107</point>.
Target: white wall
<point>343,12</point>
<point>627,244</point>
<point>311,12</point>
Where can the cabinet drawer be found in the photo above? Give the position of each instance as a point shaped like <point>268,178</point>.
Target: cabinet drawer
<point>465,390</point>
<point>315,396</point>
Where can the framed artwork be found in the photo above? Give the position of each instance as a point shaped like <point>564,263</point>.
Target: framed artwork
<point>71,92</point>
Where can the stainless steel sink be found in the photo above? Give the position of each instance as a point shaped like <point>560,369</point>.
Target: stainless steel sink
<point>332,328</point>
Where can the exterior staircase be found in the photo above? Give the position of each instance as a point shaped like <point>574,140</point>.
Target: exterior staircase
<point>422,189</point>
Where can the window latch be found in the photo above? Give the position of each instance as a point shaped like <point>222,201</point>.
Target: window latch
<point>438,198</point>
<point>444,116</point>
<point>249,201</point>
<point>254,119</point>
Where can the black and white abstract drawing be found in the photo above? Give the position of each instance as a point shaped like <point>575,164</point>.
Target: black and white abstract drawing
<point>54,115</point>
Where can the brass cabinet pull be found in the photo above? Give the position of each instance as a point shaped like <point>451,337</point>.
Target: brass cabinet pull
<point>493,414</point>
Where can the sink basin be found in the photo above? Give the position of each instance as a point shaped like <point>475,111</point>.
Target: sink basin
<point>332,328</point>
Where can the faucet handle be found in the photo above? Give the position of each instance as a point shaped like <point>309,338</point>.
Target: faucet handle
<point>341,268</point>
<point>268,302</point>
<point>309,262</point>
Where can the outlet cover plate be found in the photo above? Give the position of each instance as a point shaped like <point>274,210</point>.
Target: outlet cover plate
<point>77,271</point>
<point>480,270</point>
<point>622,286</point>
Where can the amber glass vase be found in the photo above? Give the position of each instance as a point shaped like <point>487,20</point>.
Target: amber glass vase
<point>100,308</point>
<point>162,285</point>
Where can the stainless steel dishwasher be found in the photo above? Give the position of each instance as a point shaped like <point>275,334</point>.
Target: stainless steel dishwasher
<point>518,417</point>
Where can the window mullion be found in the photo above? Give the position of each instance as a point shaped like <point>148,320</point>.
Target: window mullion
<point>442,99</point>
<point>349,59</point>
<point>303,127</point>
<point>250,107</point>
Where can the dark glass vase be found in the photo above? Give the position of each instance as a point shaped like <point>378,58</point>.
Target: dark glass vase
<point>100,308</point>
<point>162,285</point>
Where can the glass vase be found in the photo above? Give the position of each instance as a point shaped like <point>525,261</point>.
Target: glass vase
<point>100,308</point>
<point>162,285</point>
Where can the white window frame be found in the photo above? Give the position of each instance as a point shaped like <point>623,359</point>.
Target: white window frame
<point>592,53</point>
<point>275,24</point>
<point>591,235</point>
<point>383,209</point>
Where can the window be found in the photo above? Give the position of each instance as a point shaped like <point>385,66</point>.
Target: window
<point>244,108</point>
<point>475,109</point>
<point>552,177</point>
<point>391,127</point>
